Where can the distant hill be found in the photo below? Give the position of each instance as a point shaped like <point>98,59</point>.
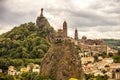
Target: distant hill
<point>113,43</point>
<point>27,40</point>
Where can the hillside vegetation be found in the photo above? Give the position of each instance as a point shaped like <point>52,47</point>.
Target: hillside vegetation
<point>25,41</point>
<point>24,44</point>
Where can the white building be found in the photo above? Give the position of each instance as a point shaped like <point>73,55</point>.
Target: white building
<point>101,65</point>
<point>114,66</point>
<point>108,60</point>
<point>87,59</point>
<point>11,70</point>
<point>117,75</point>
<point>36,69</point>
<point>0,70</point>
<point>22,70</point>
<point>109,74</point>
<point>98,73</point>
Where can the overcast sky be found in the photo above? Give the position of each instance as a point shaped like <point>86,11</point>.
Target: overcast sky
<point>92,18</point>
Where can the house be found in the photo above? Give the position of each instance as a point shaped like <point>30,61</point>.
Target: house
<point>100,58</point>
<point>30,67</point>
<point>114,66</point>
<point>86,70</point>
<point>90,69</point>
<point>81,54</point>
<point>98,73</point>
<point>23,70</point>
<point>36,68</point>
<point>108,60</point>
<point>0,70</point>
<point>11,70</point>
<point>101,65</point>
<point>87,60</point>
<point>109,74</point>
<point>109,50</point>
<point>18,73</point>
<point>117,75</point>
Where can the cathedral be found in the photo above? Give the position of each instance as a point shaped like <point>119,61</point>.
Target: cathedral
<point>76,35</point>
<point>42,21</point>
<point>63,32</point>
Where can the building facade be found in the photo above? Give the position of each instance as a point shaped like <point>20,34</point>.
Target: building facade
<point>65,29</point>
<point>76,34</point>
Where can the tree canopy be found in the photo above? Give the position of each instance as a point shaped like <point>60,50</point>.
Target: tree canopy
<point>25,41</point>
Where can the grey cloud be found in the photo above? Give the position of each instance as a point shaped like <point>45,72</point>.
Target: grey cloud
<point>99,28</point>
<point>96,6</point>
<point>83,19</point>
<point>14,17</point>
<point>86,18</point>
<point>115,11</point>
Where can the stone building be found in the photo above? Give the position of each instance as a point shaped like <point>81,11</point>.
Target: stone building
<point>84,37</point>
<point>117,75</point>
<point>94,46</point>
<point>76,35</point>
<point>1,71</point>
<point>62,33</point>
<point>65,29</point>
<point>36,68</point>
<point>11,70</point>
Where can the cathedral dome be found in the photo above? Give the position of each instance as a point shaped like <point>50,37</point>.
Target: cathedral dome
<point>84,37</point>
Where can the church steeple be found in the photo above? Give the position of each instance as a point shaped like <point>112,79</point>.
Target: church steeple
<point>41,14</point>
<point>76,35</point>
<point>65,29</point>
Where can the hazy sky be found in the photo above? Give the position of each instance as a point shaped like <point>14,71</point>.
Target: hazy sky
<point>93,18</point>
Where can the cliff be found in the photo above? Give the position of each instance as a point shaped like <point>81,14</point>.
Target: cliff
<point>62,62</point>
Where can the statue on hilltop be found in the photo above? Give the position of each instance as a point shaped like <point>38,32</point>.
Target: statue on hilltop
<point>41,14</point>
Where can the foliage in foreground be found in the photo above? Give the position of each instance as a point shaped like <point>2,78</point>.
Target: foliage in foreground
<point>25,76</point>
<point>92,77</point>
<point>17,63</point>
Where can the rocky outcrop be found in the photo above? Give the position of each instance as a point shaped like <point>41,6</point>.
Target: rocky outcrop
<point>42,21</point>
<point>62,62</point>
<point>44,25</point>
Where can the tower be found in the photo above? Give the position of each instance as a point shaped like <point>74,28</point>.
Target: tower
<point>76,35</point>
<point>65,29</point>
<point>41,14</point>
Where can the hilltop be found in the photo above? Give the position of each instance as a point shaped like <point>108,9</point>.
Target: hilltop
<point>26,43</point>
<point>27,40</point>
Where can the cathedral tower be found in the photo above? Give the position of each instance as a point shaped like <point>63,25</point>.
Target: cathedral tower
<point>65,29</point>
<point>76,35</point>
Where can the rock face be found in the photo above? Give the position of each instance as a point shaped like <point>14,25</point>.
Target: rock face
<point>44,25</point>
<point>42,21</point>
<point>62,62</point>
